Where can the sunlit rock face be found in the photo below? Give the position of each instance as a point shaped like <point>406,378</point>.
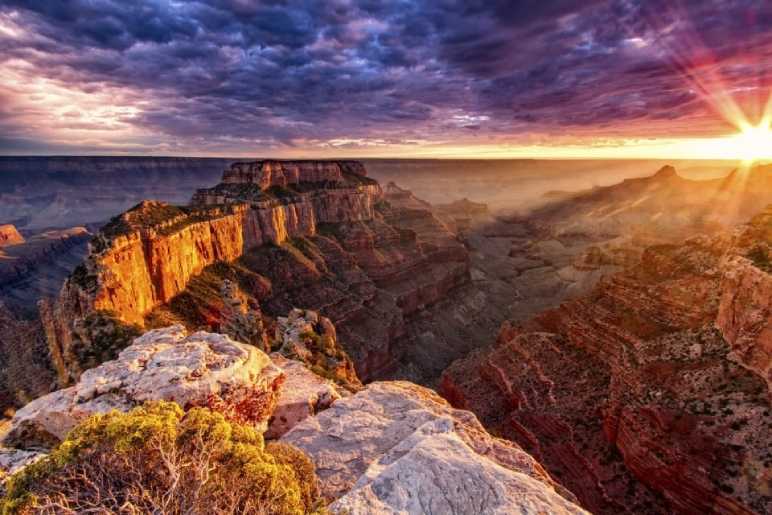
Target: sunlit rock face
<point>9,235</point>
<point>199,369</point>
<point>396,447</point>
<point>630,396</point>
<point>312,234</point>
<point>146,256</point>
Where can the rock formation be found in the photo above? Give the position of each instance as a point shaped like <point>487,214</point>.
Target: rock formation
<point>399,448</point>
<point>146,256</point>
<point>630,396</point>
<point>242,320</point>
<point>312,234</point>
<point>303,395</point>
<point>270,173</point>
<point>9,235</point>
<point>305,336</point>
<point>199,369</point>
<point>745,307</point>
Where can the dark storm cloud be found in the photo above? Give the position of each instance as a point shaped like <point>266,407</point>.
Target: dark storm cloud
<point>279,71</point>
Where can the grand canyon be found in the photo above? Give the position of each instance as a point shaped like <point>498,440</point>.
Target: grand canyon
<point>406,258</point>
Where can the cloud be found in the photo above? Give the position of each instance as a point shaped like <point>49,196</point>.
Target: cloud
<point>220,75</point>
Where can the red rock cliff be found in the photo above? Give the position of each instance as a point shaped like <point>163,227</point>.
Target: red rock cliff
<point>146,256</point>
<point>630,396</point>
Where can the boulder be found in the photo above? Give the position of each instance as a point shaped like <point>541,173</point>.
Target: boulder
<point>200,369</point>
<point>396,447</point>
<point>13,460</point>
<point>303,395</point>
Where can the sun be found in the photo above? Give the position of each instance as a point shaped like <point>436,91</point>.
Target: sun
<point>752,143</point>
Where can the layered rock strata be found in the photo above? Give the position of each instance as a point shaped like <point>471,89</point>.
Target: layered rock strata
<point>399,448</point>
<point>630,396</point>
<point>148,255</point>
<point>312,234</point>
<point>745,308</point>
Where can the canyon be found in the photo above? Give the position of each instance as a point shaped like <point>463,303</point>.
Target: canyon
<point>322,237</point>
<point>651,393</point>
<point>631,368</point>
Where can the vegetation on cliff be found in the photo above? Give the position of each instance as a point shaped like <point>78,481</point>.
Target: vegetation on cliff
<point>100,337</point>
<point>159,459</point>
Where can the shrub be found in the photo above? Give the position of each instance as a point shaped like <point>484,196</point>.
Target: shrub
<point>101,337</point>
<point>157,459</point>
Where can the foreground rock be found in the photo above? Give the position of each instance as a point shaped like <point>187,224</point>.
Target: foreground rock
<point>303,395</point>
<point>200,369</point>
<point>399,448</point>
<point>308,337</point>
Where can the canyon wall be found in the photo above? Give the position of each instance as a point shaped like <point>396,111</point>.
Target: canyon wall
<point>146,256</point>
<point>651,394</point>
<point>745,309</point>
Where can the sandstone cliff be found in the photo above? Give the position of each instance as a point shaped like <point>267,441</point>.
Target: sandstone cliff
<point>9,235</point>
<point>630,396</point>
<point>312,234</point>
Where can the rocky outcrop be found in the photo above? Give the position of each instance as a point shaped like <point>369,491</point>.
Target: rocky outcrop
<point>629,395</point>
<point>312,234</point>
<point>14,460</point>
<point>242,320</point>
<point>399,448</point>
<point>312,339</point>
<point>745,315</point>
<point>9,235</point>
<point>199,369</point>
<point>303,395</point>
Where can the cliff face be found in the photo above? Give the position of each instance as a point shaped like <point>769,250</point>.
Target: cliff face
<point>630,396</point>
<point>9,235</point>
<point>284,173</point>
<point>745,308</point>
<point>310,234</point>
<point>146,256</point>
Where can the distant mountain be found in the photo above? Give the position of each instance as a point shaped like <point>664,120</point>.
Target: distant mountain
<point>47,192</point>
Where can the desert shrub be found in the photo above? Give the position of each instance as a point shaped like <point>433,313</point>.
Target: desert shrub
<point>158,459</point>
<point>101,337</point>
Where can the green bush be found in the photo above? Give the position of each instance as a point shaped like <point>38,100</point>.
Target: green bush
<point>158,459</point>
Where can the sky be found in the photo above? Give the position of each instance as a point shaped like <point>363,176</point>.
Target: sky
<point>358,78</point>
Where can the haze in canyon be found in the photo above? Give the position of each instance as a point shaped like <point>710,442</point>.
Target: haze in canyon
<point>408,257</point>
